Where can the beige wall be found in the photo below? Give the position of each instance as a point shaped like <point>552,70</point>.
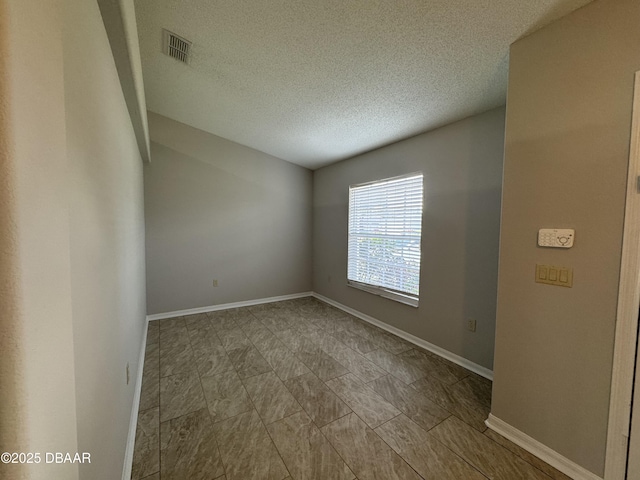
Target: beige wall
<point>33,129</point>
<point>218,210</point>
<point>462,166</point>
<point>12,412</point>
<point>567,145</point>
<point>72,231</point>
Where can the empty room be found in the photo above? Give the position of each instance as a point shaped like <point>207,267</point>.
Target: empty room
<point>325,239</point>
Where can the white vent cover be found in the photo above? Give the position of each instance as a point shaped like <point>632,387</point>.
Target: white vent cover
<point>175,46</point>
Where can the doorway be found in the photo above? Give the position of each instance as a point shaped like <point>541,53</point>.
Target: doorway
<point>623,437</point>
<point>633,455</point>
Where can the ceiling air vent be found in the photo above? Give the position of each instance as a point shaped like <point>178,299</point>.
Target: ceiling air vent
<point>175,46</point>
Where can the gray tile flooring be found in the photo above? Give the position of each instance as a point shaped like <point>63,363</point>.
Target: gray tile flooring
<point>301,390</point>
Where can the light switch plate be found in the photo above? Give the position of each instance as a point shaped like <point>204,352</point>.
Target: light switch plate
<point>556,237</point>
<point>551,275</point>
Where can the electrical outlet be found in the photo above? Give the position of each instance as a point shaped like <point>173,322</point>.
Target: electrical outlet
<point>215,283</point>
<point>128,374</point>
<point>471,325</point>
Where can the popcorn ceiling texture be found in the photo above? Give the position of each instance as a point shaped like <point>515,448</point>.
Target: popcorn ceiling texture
<point>313,82</point>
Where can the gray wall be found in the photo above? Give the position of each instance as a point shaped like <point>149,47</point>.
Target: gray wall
<point>218,210</point>
<point>73,233</point>
<point>462,166</point>
<point>106,224</point>
<point>566,157</point>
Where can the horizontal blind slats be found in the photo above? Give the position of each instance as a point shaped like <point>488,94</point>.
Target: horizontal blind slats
<point>385,227</point>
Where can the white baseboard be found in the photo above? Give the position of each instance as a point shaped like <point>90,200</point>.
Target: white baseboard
<point>133,421</point>
<point>521,439</point>
<point>540,450</point>
<point>226,306</point>
<point>463,362</point>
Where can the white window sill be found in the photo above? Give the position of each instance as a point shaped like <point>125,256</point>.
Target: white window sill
<point>381,292</point>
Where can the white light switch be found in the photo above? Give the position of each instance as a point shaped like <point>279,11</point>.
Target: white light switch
<point>556,237</point>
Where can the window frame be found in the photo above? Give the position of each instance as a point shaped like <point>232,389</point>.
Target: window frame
<point>386,292</point>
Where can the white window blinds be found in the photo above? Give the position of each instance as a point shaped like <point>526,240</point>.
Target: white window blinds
<point>385,226</point>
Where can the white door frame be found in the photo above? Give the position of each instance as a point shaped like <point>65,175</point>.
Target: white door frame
<point>626,336</point>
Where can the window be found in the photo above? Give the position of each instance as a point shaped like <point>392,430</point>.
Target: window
<point>385,227</point>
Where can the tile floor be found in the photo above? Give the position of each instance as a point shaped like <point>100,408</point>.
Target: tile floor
<point>301,390</point>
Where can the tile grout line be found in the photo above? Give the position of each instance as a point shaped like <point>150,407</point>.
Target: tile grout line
<point>517,455</point>
<point>241,382</point>
<point>267,430</point>
<point>458,381</point>
<point>264,425</point>
<point>140,412</point>
<point>332,446</point>
<point>159,443</point>
<point>313,421</point>
<point>159,403</point>
<point>435,439</point>
<point>224,466</point>
<point>499,445</point>
<point>159,381</point>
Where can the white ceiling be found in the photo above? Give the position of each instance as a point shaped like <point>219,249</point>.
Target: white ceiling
<point>317,81</point>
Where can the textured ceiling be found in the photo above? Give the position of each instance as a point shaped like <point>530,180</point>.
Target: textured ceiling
<point>317,81</point>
